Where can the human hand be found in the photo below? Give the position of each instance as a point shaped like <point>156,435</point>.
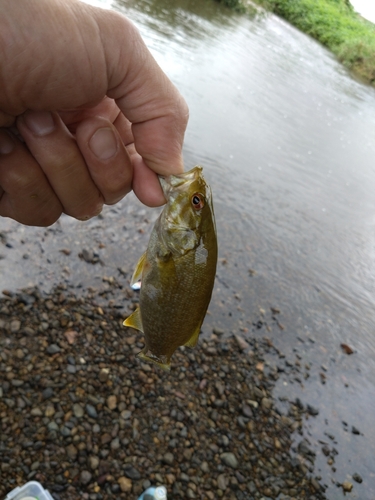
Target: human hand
<point>86,114</point>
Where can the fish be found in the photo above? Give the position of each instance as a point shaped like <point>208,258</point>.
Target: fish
<point>177,271</point>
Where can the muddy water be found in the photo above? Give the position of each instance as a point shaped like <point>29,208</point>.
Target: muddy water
<point>287,139</point>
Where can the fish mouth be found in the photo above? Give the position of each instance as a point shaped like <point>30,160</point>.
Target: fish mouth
<point>170,182</point>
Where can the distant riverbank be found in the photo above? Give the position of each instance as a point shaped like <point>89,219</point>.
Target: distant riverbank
<point>334,23</point>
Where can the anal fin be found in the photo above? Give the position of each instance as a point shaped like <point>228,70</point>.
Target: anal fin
<point>192,342</point>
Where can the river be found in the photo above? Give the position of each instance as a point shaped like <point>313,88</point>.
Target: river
<point>287,140</point>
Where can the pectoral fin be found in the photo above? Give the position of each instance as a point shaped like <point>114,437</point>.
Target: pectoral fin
<point>134,320</point>
<point>192,342</point>
<point>138,269</point>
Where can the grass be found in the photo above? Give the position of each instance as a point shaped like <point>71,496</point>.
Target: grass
<point>333,23</point>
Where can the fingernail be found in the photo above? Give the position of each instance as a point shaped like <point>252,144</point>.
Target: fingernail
<point>95,213</point>
<point>6,144</point>
<point>103,143</point>
<point>39,122</point>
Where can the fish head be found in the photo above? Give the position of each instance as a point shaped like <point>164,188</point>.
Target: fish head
<point>188,215</point>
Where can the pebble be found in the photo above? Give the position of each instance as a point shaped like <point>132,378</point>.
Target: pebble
<point>222,482</point>
<point>112,402</point>
<point>78,410</point>
<point>53,349</point>
<point>125,484</point>
<point>347,486</point>
<point>93,462</point>
<point>115,426</point>
<point>91,411</point>
<point>357,477</point>
<point>229,459</point>
<point>85,477</point>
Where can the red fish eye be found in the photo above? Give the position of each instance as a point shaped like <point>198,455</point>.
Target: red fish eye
<point>197,201</point>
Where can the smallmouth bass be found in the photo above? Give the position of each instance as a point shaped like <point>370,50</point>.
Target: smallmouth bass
<point>177,271</point>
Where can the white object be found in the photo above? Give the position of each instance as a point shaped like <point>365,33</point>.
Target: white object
<point>29,491</point>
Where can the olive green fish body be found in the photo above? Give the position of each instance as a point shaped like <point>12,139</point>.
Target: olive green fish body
<point>178,269</point>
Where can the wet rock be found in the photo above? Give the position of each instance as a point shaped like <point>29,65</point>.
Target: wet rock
<point>125,484</point>
<point>132,473</point>
<point>91,411</point>
<point>347,486</point>
<point>78,410</point>
<point>85,477</point>
<point>222,482</point>
<point>229,459</point>
<point>47,393</point>
<point>168,458</point>
<point>71,451</point>
<point>112,402</point>
<point>357,477</point>
<point>53,349</point>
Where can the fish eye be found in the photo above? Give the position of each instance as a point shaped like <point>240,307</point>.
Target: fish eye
<point>197,201</point>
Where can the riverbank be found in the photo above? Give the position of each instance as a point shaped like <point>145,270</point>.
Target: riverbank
<point>80,414</point>
<point>334,23</point>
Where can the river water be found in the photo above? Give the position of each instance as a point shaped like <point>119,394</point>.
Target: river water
<point>287,140</point>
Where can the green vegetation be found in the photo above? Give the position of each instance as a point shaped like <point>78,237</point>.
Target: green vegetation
<point>236,5</point>
<point>335,24</point>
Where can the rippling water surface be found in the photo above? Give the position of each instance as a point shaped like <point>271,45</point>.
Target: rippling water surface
<point>287,138</point>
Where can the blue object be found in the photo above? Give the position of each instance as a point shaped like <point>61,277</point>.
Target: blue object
<point>29,491</point>
<point>154,493</point>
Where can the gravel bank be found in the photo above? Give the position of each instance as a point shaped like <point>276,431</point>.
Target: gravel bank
<point>83,416</point>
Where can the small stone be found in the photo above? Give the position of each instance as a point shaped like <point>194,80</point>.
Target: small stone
<point>112,402</point>
<point>222,482</point>
<point>356,431</point>
<point>205,467</point>
<point>131,472</point>
<point>93,462</point>
<point>78,410</point>
<point>125,414</point>
<point>47,393</point>
<point>357,477</point>
<point>266,403</point>
<point>247,411</point>
<point>229,459</point>
<point>49,411</point>
<point>85,477</point>
<point>71,451</point>
<point>36,412</point>
<point>125,484</point>
<point>104,374</point>
<point>15,325</point>
<point>53,349</point>
<point>347,486</point>
<point>115,444</point>
<point>20,354</point>
<point>168,458</point>
<point>91,411</point>
<point>312,411</point>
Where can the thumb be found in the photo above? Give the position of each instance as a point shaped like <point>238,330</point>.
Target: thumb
<point>145,95</point>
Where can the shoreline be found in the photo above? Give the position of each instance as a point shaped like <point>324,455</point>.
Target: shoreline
<point>85,418</point>
<point>335,24</point>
